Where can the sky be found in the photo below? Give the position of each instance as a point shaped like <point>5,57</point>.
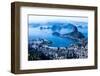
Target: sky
<point>43,19</point>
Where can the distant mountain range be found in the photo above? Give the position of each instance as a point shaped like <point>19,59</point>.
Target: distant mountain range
<point>75,34</point>
<point>56,26</point>
<point>60,23</point>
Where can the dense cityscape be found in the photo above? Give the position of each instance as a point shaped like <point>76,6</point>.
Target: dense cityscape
<point>39,50</point>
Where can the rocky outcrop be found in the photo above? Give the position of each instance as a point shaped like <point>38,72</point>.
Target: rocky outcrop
<point>74,35</point>
<point>56,33</point>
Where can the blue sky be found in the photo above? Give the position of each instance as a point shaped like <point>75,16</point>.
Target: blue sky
<point>44,19</point>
